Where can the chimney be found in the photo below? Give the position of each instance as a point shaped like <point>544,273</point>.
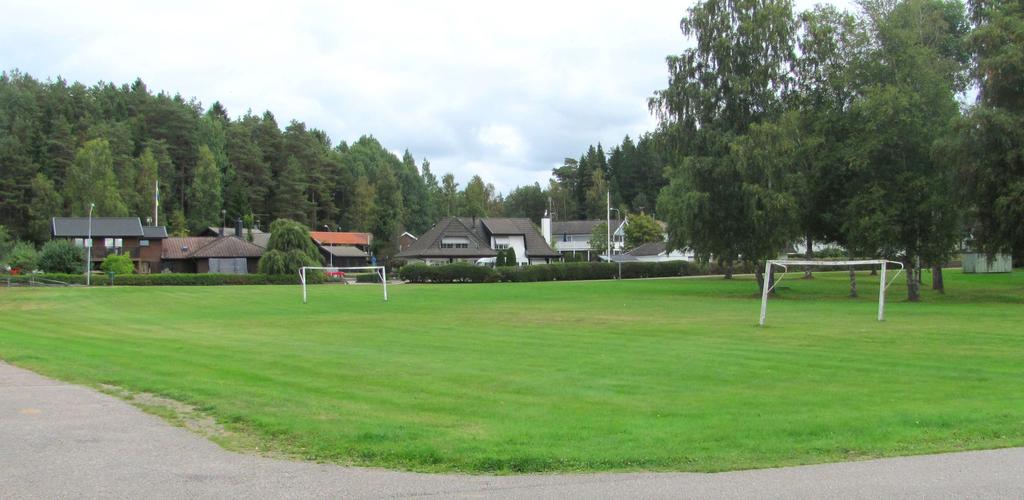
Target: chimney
<point>238,227</point>
<point>221,232</point>
<point>545,227</point>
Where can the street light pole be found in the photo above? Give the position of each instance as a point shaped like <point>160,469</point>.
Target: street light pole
<point>617,214</point>
<point>608,226</point>
<point>88,249</point>
<point>329,251</point>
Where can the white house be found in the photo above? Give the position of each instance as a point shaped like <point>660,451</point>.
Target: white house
<point>572,237</point>
<point>467,239</point>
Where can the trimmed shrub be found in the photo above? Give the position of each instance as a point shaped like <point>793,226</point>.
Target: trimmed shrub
<point>172,279</point>
<point>118,264</point>
<point>367,278</point>
<point>571,271</point>
<point>460,272</point>
<point>61,256</point>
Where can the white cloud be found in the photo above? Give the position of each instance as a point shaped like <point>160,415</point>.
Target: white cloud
<point>505,91</point>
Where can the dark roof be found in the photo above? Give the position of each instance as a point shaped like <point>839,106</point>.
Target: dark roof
<point>502,226</point>
<point>259,239</point>
<point>478,231</point>
<point>580,226</point>
<point>154,232</point>
<point>535,244</point>
<point>429,244</point>
<point>102,227</point>
<point>228,231</point>
<point>344,251</point>
<point>647,249</point>
<point>206,247</point>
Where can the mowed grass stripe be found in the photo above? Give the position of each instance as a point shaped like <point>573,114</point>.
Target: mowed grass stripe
<point>658,374</point>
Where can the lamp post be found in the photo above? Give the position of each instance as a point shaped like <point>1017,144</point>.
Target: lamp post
<point>88,249</point>
<point>608,226</point>
<point>329,250</point>
<point>618,214</point>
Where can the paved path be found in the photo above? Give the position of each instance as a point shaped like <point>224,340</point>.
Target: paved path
<point>62,440</point>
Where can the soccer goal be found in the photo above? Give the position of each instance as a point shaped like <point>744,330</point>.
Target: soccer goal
<point>883,284</point>
<point>341,272</point>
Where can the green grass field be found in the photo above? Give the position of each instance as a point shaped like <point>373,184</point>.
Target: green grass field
<point>666,374</point>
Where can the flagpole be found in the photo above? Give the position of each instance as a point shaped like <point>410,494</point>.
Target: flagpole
<point>156,204</point>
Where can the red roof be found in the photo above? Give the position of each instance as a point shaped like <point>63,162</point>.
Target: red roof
<point>337,238</point>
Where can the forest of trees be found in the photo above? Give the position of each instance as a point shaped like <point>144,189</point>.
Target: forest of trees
<point>818,126</point>
<point>64,146</point>
<point>833,126</point>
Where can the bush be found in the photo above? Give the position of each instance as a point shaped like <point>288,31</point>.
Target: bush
<point>61,256</point>
<point>367,278</point>
<point>571,271</point>
<point>460,272</point>
<point>172,279</point>
<point>118,264</point>
<point>23,257</point>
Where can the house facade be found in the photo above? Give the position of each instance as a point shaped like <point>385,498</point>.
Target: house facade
<point>468,239</point>
<point>571,238</point>
<point>406,240</point>
<point>113,235</point>
<point>343,249</point>
<point>210,254</point>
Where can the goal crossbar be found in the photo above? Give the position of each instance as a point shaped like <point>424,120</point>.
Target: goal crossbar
<point>883,283</point>
<point>377,269</point>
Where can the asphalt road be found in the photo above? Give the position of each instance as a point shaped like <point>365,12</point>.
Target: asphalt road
<point>68,441</point>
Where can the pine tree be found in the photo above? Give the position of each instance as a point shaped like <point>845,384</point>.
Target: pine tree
<point>46,203</point>
<point>205,202</point>
<point>290,193</point>
<point>90,179</point>
<point>145,184</point>
<point>475,199</point>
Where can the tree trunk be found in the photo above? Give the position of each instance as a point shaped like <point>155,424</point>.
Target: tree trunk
<point>853,283</point>
<point>808,273</point>
<point>728,270</point>
<point>937,283</point>
<point>913,283</point>
<point>759,277</point>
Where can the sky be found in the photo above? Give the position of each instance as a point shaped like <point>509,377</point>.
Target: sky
<point>504,91</point>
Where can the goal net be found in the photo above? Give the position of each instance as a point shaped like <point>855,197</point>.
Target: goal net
<point>345,274</point>
<point>883,283</point>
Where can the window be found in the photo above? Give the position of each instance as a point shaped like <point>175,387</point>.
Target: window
<point>143,243</point>
<point>455,242</point>
<point>79,242</point>
<point>501,246</point>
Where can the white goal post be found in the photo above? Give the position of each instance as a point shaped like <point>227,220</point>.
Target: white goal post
<point>381,272</point>
<point>883,284</point>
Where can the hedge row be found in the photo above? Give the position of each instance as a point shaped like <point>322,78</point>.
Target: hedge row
<point>570,271</point>
<point>175,279</point>
<point>367,278</point>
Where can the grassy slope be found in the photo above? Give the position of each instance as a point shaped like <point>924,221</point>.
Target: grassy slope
<point>660,374</point>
